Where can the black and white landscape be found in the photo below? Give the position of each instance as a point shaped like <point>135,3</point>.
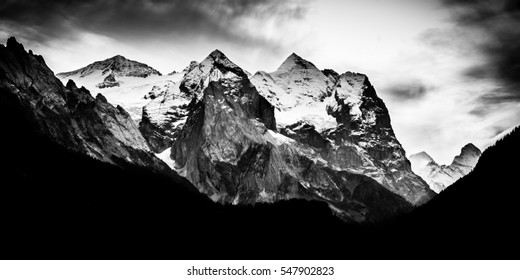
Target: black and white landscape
<point>114,159</point>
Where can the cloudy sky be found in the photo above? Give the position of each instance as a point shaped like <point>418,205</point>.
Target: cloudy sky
<point>448,70</point>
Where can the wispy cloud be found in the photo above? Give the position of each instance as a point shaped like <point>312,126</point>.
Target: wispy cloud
<point>405,91</point>
<point>496,25</point>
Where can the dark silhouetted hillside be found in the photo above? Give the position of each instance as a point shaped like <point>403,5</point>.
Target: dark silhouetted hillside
<point>478,216</point>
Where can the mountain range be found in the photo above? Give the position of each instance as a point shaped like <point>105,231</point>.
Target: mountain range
<point>439,177</point>
<point>298,132</point>
<point>81,182</point>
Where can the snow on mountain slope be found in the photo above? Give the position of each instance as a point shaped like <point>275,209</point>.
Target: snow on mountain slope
<point>215,67</point>
<point>439,177</point>
<point>350,89</point>
<point>164,116</point>
<point>304,80</point>
<point>419,161</point>
<point>117,65</point>
<point>341,117</point>
<point>122,81</point>
<point>299,91</point>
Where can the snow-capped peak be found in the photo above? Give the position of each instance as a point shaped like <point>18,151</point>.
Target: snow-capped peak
<point>214,67</point>
<point>217,55</point>
<point>302,79</point>
<point>469,155</point>
<point>118,57</point>
<point>117,65</point>
<point>440,177</point>
<point>422,156</point>
<point>296,62</point>
<point>217,59</point>
<point>419,161</point>
<point>299,91</point>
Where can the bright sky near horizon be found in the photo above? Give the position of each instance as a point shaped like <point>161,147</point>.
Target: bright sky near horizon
<point>436,64</point>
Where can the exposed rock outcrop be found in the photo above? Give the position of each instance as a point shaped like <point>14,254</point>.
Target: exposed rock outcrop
<point>70,115</point>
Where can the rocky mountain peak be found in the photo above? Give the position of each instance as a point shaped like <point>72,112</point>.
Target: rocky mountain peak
<point>470,149</point>
<point>303,83</point>
<point>296,62</point>
<point>420,160</point>
<point>214,67</point>
<point>356,82</point>
<point>13,45</point>
<point>126,67</point>
<point>217,55</point>
<point>440,177</point>
<point>118,57</point>
<point>117,65</point>
<point>71,85</point>
<point>331,74</point>
<point>217,59</point>
<point>16,48</point>
<point>469,155</point>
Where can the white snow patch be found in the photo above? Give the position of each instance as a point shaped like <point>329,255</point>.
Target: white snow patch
<point>165,156</point>
<point>298,91</point>
<point>131,92</point>
<point>279,138</point>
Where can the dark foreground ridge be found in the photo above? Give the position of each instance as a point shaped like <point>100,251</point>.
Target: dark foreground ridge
<point>63,205</point>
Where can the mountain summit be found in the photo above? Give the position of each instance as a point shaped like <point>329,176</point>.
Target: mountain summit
<point>214,67</point>
<point>295,61</point>
<point>117,65</point>
<point>469,155</point>
<point>110,70</point>
<point>439,177</point>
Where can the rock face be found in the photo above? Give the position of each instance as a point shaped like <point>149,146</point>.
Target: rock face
<point>164,117</point>
<point>439,177</point>
<point>70,115</point>
<point>343,152</point>
<point>109,81</point>
<point>343,120</point>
